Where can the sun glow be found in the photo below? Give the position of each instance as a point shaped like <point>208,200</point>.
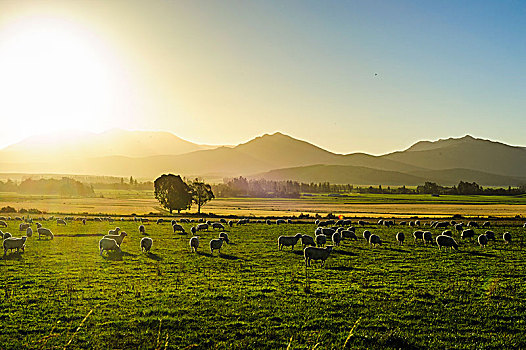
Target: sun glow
<point>54,75</point>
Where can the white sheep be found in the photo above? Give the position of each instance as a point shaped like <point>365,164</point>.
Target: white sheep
<point>178,227</point>
<point>469,233</point>
<point>483,240</point>
<point>348,234</point>
<point>29,232</point>
<point>146,244</point>
<point>194,243</point>
<point>314,253</point>
<point>61,222</point>
<point>418,235</point>
<point>114,232</point>
<point>336,238</point>
<point>3,223</point>
<point>280,221</point>
<point>159,221</point>
<point>446,241</point>
<point>14,243</point>
<point>375,240</point>
<point>321,240</point>
<point>490,235</point>
<point>400,237</point>
<point>45,232</point>
<point>118,238</point>
<point>506,237</point>
<point>307,240</point>
<point>39,225</point>
<point>107,244</point>
<point>23,226</point>
<point>224,236</point>
<point>215,244</point>
<point>142,229</point>
<point>366,235</point>
<point>287,241</point>
<point>218,226</point>
<point>427,237</point>
<point>202,227</point>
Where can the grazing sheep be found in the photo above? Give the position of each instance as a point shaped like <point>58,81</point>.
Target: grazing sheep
<point>307,240</point>
<point>61,222</point>
<point>459,227</point>
<point>375,240</point>
<point>185,220</point>
<point>400,237</point>
<point>490,235</point>
<point>362,222</point>
<point>45,232</point>
<point>143,220</point>
<point>483,240</point>
<point>107,244</point>
<point>469,233</point>
<point>218,226</point>
<point>506,237</point>
<point>321,240</point>
<point>222,220</point>
<point>446,241</point>
<point>84,221</point>
<point>29,232</point>
<point>336,238</point>
<point>3,223</point>
<point>286,241</point>
<point>268,222</point>
<point>159,221</point>
<point>314,253</point>
<point>193,230</point>
<point>209,223</point>
<point>402,223</point>
<point>348,234</point>
<point>289,221</point>
<point>447,233</point>
<point>230,223</point>
<point>441,224</point>
<point>366,235</point>
<point>23,227</point>
<point>486,224</point>
<point>224,236</point>
<point>417,222</point>
<point>412,223</point>
<point>418,235</point>
<point>142,229</point>
<point>215,244</point>
<point>6,235</point>
<point>326,231</point>
<point>473,224</point>
<point>173,222</point>
<point>280,221</point>
<point>118,238</point>
<point>389,223</point>
<point>146,244</point>
<point>202,227</point>
<point>14,243</point>
<point>427,237</point>
<point>194,243</point>
<point>114,232</point>
<point>179,228</point>
<point>380,222</point>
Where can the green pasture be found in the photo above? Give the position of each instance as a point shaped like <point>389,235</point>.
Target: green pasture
<point>61,294</point>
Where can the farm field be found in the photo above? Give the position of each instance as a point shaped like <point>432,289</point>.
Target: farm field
<point>359,205</point>
<point>61,294</point>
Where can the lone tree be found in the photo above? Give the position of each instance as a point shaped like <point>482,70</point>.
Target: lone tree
<point>201,193</point>
<point>173,193</point>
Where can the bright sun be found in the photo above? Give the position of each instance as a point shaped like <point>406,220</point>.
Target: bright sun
<point>54,76</point>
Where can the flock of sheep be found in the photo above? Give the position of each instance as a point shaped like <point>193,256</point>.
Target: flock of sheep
<point>313,246</point>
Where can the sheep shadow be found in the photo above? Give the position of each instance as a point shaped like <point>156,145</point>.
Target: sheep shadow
<point>123,253</point>
<point>487,255</point>
<point>398,250</point>
<point>13,256</point>
<point>205,254</point>
<point>154,256</point>
<point>297,252</point>
<point>341,268</point>
<point>343,252</point>
<point>113,256</point>
<point>228,257</point>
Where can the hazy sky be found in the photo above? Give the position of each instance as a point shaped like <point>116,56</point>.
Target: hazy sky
<point>372,76</point>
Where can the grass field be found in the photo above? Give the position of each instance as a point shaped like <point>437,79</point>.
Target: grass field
<point>61,294</point>
<point>113,202</point>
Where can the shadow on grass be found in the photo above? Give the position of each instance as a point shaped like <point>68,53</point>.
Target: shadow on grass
<point>476,253</point>
<point>113,256</point>
<point>341,268</point>
<point>398,250</point>
<point>228,257</point>
<point>205,254</point>
<point>128,254</point>
<point>13,256</point>
<point>343,252</point>
<point>154,256</point>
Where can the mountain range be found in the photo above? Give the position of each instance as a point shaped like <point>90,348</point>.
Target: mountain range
<point>148,154</point>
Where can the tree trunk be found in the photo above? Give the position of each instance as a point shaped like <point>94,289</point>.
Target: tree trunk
<point>170,211</point>
<point>198,208</point>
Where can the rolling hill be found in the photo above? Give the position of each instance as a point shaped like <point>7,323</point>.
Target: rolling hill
<point>146,155</point>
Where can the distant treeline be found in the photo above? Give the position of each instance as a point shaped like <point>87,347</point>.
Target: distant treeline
<point>62,187</point>
<point>241,187</point>
<point>131,184</point>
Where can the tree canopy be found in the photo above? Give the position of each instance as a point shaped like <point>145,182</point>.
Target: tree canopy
<point>173,193</point>
<point>201,193</point>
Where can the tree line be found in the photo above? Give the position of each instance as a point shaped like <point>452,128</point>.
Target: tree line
<point>63,187</point>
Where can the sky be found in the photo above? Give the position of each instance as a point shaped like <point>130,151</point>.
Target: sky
<point>348,76</point>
